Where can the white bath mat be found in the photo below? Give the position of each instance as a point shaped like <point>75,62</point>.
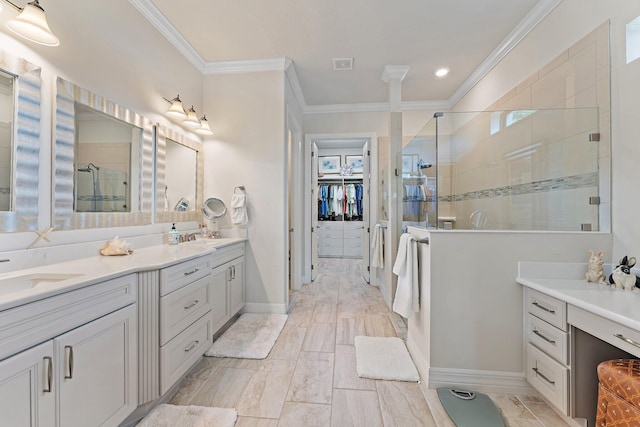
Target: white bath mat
<point>251,337</point>
<point>384,358</point>
<point>166,415</point>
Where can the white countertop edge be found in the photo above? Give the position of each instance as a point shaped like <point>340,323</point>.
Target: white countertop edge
<point>96,269</point>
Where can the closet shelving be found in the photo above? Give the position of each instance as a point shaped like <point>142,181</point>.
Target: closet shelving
<point>339,233</point>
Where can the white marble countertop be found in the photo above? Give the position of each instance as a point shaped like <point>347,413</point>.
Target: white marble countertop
<point>96,269</point>
<point>566,281</point>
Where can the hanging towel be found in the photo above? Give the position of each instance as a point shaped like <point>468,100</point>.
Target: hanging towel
<point>377,259</point>
<point>239,209</point>
<point>407,299</point>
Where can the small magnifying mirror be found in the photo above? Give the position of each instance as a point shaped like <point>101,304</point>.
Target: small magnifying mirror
<point>214,209</point>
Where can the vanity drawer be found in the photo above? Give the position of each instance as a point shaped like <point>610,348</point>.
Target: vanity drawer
<point>548,338</point>
<point>620,336</point>
<point>547,308</point>
<point>549,377</point>
<point>180,354</point>
<point>177,276</point>
<point>181,308</point>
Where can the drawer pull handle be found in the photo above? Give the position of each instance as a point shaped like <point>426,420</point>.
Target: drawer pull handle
<point>70,348</point>
<point>193,304</point>
<point>189,273</point>
<point>49,374</point>
<point>627,340</point>
<point>192,346</point>
<point>538,373</point>
<point>542,307</point>
<point>535,331</point>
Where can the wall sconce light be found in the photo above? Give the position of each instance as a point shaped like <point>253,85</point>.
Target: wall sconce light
<point>189,117</point>
<point>31,24</point>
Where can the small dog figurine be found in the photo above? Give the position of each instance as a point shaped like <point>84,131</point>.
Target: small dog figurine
<point>622,277</point>
<point>595,271</point>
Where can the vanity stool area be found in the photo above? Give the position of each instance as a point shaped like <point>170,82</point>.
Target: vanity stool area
<point>102,340</point>
<point>571,327</point>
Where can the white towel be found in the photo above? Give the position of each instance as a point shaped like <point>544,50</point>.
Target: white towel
<point>377,244</point>
<point>407,297</point>
<point>239,209</point>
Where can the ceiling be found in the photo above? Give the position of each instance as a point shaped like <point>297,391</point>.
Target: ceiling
<point>462,35</point>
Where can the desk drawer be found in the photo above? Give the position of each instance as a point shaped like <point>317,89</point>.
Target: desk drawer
<point>617,335</point>
<point>181,308</point>
<point>177,276</point>
<point>548,338</point>
<point>549,377</point>
<point>179,355</point>
<point>547,308</point>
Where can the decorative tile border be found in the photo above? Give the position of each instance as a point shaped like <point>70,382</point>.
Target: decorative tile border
<point>543,186</point>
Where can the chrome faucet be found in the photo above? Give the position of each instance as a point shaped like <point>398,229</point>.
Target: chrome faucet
<point>187,237</point>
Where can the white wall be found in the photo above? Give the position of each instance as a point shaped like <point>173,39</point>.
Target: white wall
<point>249,149</point>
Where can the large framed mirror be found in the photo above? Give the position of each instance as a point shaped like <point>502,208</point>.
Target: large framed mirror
<point>103,162</point>
<point>20,98</point>
<point>179,176</point>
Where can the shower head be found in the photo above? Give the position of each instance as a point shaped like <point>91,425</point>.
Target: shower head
<point>87,169</point>
<point>94,166</point>
<point>425,165</point>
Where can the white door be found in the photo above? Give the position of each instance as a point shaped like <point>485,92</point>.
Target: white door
<point>314,211</point>
<point>27,388</point>
<point>98,370</point>
<point>366,231</point>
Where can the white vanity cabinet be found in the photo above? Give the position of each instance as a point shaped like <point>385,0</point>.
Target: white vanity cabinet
<point>227,284</point>
<point>547,354</point>
<point>86,376</point>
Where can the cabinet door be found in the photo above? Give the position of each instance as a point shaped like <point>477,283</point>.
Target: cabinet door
<point>218,297</point>
<point>27,397</point>
<point>97,371</point>
<point>236,286</point>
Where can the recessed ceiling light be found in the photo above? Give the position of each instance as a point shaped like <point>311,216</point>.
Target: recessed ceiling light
<point>441,72</point>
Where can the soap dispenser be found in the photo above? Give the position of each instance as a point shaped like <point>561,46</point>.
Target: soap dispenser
<point>174,238</point>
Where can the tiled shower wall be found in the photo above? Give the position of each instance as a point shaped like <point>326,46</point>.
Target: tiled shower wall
<point>550,190</point>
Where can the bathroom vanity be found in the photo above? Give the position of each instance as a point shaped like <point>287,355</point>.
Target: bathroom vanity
<point>86,342</point>
<point>571,325</point>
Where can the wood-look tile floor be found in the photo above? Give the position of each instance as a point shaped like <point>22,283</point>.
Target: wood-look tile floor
<point>310,379</point>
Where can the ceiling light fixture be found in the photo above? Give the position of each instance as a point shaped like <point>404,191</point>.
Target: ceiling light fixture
<point>189,117</point>
<point>441,72</point>
<point>31,24</point>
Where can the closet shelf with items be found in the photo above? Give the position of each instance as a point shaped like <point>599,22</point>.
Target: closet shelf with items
<point>416,198</point>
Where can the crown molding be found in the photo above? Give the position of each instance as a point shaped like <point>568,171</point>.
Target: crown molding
<point>162,24</point>
<point>246,66</point>
<point>377,107</point>
<point>524,27</point>
<point>394,72</point>
<point>291,74</point>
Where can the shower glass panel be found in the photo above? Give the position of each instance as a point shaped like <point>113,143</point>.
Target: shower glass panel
<point>506,170</point>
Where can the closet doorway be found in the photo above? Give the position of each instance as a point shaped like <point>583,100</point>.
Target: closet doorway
<point>340,200</point>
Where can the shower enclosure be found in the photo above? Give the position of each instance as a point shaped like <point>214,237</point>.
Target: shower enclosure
<point>101,190</point>
<point>504,170</point>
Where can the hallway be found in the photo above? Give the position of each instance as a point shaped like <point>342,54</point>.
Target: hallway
<point>309,378</point>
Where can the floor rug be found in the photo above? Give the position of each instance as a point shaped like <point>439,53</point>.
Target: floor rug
<point>166,415</point>
<point>251,337</point>
<point>471,410</point>
<point>384,358</point>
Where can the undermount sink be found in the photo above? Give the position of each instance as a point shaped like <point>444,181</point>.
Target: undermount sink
<point>29,281</point>
<point>212,242</point>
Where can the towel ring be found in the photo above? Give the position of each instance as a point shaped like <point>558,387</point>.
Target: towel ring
<point>241,188</point>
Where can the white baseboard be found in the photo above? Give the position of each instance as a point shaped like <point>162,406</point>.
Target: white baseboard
<point>482,381</point>
<point>258,307</point>
<point>419,359</point>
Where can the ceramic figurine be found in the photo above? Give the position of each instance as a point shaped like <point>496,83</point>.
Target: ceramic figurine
<point>595,271</point>
<point>622,277</point>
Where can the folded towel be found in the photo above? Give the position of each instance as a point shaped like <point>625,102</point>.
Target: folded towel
<point>239,209</point>
<point>377,244</point>
<point>407,299</point>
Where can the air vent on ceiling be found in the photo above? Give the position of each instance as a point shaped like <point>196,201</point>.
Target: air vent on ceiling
<point>342,64</point>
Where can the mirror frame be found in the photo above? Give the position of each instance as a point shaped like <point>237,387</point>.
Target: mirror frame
<point>162,134</point>
<point>25,170</point>
<point>64,216</point>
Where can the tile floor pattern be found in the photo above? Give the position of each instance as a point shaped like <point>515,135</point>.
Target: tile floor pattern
<point>309,378</point>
